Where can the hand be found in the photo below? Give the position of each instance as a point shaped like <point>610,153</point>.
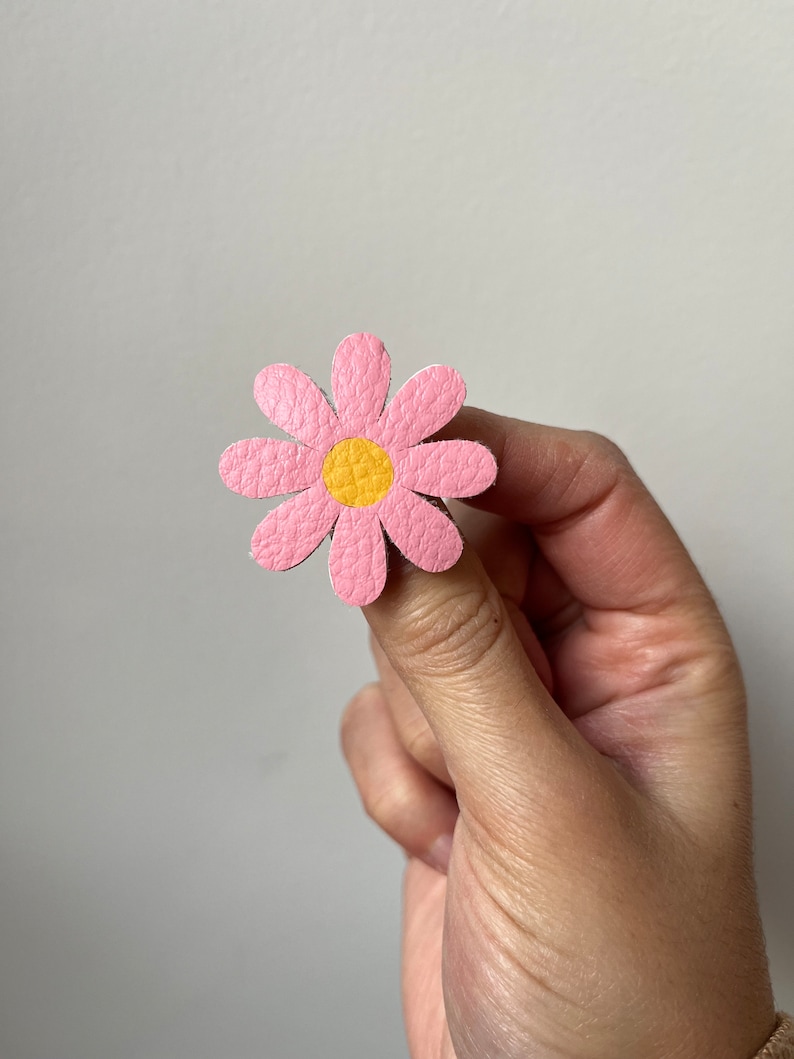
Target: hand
<point>558,741</point>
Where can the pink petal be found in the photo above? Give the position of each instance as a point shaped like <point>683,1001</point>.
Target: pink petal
<point>447,468</point>
<point>357,561</point>
<point>360,381</point>
<point>297,405</point>
<point>423,533</point>
<point>293,530</point>
<point>261,467</point>
<point>421,407</point>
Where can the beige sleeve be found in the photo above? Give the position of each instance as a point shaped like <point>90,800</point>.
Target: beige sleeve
<point>781,1044</point>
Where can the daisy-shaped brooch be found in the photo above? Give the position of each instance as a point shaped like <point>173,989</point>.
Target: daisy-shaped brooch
<point>358,468</point>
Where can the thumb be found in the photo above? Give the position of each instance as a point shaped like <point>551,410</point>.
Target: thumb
<point>450,638</point>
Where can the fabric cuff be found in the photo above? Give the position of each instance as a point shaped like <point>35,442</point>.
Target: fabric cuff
<point>781,1044</point>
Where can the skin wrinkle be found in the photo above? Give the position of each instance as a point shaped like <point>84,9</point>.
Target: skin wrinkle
<point>673,656</point>
<point>553,526</point>
<point>489,932</point>
<point>492,809</point>
<point>456,633</point>
<point>637,737</point>
<point>512,855</point>
<point>575,965</point>
<point>639,733</point>
<point>634,824</point>
<point>654,662</point>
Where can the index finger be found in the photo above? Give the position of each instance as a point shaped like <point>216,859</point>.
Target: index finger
<point>591,515</point>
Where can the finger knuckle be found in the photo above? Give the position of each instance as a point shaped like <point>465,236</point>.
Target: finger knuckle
<point>458,631</point>
<point>390,805</point>
<point>603,449</point>
<point>353,715</point>
<point>420,743</point>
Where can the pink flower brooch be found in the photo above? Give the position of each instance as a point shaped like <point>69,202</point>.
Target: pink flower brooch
<point>359,470</point>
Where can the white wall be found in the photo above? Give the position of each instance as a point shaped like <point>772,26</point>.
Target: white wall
<point>585,207</point>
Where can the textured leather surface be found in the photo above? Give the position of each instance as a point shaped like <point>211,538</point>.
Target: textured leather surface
<point>292,531</point>
<point>423,533</point>
<point>293,402</point>
<point>360,382</point>
<point>357,472</point>
<point>422,406</point>
<point>357,560</point>
<point>262,467</point>
<point>447,468</point>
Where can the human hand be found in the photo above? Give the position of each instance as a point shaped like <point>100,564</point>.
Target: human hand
<point>568,701</point>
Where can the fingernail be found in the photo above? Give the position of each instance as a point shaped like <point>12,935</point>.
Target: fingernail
<point>438,854</point>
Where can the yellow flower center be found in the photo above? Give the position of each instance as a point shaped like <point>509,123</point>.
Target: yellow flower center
<point>357,472</point>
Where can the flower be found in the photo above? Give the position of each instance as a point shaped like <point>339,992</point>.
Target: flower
<point>358,470</point>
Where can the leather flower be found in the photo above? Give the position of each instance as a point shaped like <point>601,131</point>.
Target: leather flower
<point>358,468</point>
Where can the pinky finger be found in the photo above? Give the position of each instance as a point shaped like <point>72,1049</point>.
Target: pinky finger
<point>402,798</point>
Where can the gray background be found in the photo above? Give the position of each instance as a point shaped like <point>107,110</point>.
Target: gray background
<point>585,207</point>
